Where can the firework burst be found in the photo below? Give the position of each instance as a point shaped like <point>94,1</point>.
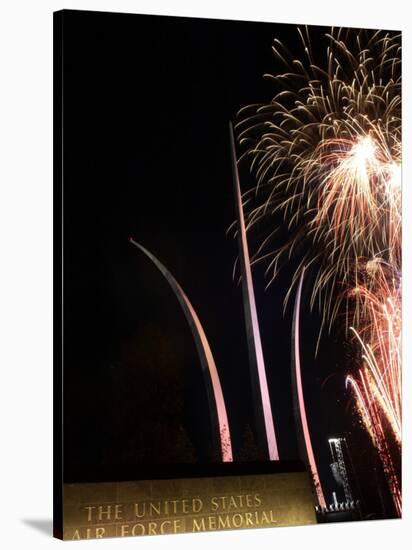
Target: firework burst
<point>326,155</point>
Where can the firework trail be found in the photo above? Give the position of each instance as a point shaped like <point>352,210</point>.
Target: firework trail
<point>370,414</point>
<point>380,341</point>
<point>326,156</point>
<point>377,385</point>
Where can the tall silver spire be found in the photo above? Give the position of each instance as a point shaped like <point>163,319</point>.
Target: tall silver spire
<point>263,411</point>
<point>217,408</point>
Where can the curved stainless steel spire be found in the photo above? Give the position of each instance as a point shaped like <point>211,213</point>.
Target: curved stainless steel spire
<point>302,427</point>
<point>266,433</point>
<point>220,425</point>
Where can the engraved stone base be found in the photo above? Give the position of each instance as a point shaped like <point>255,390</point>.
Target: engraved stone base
<point>206,503</point>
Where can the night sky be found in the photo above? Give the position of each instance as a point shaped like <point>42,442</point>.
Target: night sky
<point>147,102</point>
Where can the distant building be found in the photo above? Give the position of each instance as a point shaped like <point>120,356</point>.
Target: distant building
<point>345,508</point>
